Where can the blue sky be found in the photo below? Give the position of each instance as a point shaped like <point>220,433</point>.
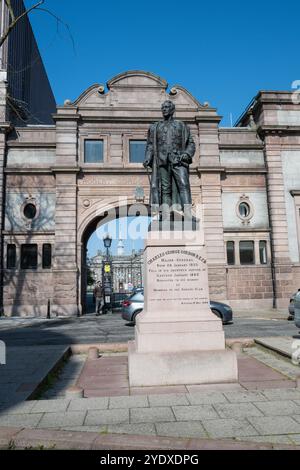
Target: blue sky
<point>223,52</point>
<point>132,231</point>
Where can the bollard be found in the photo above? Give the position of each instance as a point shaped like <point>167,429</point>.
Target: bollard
<point>237,347</point>
<point>74,392</point>
<point>93,353</point>
<point>48,309</point>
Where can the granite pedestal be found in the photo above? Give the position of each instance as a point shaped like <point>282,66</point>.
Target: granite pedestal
<point>178,340</point>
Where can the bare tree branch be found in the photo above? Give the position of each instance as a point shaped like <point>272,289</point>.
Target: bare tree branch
<point>10,8</point>
<point>59,21</point>
<point>14,20</point>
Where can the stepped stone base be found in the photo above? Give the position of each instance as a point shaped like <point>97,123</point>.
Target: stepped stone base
<point>184,367</point>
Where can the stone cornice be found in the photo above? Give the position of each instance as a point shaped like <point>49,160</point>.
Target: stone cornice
<point>21,170</point>
<point>208,169</point>
<point>65,169</point>
<point>241,146</point>
<point>232,170</point>
<point>248,229</point>
<point>246,170</point>
<point>27,232</point>
<point>123,171</point>
<point>66,117</point>
<point>120,170</point>
<point>234,130</point>
<point>36,127</point>
<point>82,170</point>
<point>18,144</point>
<point>5,126</point>
<point>208,118</point>
<point>278,129</point>
<point>142,119</point>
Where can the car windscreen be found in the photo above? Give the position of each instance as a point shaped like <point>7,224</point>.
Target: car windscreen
<point>138,297</point>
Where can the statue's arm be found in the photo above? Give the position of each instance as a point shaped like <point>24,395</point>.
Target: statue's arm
<point>149,153</point>
<point>187,156</point>
<point>190,146</point>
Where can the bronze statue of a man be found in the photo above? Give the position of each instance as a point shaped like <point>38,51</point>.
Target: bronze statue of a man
<point>169,152</point>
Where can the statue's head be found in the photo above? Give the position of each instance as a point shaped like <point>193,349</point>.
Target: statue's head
<point>168,108</point>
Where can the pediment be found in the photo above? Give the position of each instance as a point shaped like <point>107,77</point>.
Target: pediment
<point>136,79</point>
<point>136,90</point>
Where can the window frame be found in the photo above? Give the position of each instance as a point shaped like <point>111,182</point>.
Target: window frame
<point>234,260</point>
<point>51,256</point>
<point>22,268</point>
<point>266,252</point>
<point>126,147</point>
<point>7,256</point>
<point>256,237</point>
<point>106,145</point>
<point>129,147</point>
<point>254,257</point>
<point>85,152</point>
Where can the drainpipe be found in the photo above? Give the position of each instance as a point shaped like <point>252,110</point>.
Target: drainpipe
<point>2,222</point>
<point>273,272</point>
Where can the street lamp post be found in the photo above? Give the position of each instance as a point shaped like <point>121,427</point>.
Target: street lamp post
<point>107,275</point>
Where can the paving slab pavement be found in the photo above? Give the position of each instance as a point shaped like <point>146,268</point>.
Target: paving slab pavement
<point>216,411</point>
<point>261,417</point>
<point>20,438</point>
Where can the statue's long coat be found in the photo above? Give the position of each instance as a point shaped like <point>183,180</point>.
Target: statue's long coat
<point>156,154</point>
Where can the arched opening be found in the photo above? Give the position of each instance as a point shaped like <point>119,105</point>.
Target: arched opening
<point>127,227</point>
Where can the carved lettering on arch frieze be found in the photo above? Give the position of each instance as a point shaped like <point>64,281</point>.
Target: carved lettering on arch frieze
<point>113,180</point>
<point>122,180</point>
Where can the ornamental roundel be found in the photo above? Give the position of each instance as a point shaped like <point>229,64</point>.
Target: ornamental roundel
<point>244,209</point>
<point>29,210</point>
<point>86,203</point>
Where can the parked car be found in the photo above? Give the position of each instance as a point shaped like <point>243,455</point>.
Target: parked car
<point>297,309</point>
<point>137,289</point>
<point>291,307</point>
<point>132,306</point>
<point>222,311</point>
<point>117,299</point>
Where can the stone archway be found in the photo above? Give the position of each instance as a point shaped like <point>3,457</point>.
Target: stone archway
<point>102,213</point>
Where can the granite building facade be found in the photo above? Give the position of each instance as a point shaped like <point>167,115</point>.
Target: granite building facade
<point>61,180</point>
<point>25,95</point>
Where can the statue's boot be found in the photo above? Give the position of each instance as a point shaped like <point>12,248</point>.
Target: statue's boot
<point>185,197</point>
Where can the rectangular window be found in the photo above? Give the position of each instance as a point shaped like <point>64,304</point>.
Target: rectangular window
<point>11,256</point>
<point>230,253</point>
<point>247,252</point>
<point>93,151</point>
<point>29,256</point>
<point>137,151</point>
<point>263,252</point>
<point>47,256</point>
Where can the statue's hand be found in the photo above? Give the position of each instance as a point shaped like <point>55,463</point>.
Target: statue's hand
<point>185,158</point>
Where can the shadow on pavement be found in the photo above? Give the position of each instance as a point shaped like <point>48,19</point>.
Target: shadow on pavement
<point>28,364</point>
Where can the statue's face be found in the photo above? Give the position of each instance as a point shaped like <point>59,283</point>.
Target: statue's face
<point>167,109</point>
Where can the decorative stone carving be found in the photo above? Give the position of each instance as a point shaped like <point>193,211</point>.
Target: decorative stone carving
<point>86,203</point>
